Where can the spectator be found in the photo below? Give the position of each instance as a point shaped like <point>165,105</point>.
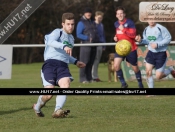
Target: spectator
<point>86,32</point>
<point>101,35</point>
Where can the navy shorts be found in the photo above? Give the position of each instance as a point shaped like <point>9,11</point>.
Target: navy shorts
<point>53,70</point>
<point>131,57</point>
<point>157,59</point>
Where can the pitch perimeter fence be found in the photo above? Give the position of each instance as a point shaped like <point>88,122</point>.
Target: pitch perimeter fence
<point>127,70</point>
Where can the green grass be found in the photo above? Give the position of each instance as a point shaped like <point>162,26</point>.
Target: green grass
<point>88,113</point>
<point>28,76</point>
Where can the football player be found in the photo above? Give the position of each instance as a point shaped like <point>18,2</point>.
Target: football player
<point>125,29</point>
<point>55,70</point>
<point>157,37</point>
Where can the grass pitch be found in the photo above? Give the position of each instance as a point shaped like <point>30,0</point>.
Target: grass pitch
<point>88,113</point>
<point>28,76</point>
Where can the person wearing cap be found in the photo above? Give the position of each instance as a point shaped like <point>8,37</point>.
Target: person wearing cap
<point>86,31</point>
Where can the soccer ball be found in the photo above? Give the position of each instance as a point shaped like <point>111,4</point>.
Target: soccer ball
<point>123,47</point>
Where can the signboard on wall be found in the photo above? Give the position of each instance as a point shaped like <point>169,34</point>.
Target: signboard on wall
<point>6,61</point>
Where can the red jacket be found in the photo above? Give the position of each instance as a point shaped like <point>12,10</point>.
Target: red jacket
<point>128,33</point>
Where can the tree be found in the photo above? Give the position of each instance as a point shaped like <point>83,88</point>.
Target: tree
<point>48,17</point>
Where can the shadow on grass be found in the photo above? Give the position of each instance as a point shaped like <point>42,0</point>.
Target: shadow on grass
<point>14,111</point>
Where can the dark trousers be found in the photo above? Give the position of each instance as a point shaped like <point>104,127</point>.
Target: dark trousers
<point>87,55</point>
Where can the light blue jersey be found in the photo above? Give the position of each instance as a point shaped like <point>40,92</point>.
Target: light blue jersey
<point>157,34</point>
<point>55,43</point>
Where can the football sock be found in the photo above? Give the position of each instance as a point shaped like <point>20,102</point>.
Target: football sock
<point>150,82</point>
<point>120,76</point>
<point>60,100</point>
<point>139,78</point>
<point>39,104</point>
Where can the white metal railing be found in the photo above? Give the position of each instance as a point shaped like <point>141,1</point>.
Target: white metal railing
<point>76,45</point>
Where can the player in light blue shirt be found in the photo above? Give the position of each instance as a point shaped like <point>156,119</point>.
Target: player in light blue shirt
<point>157,37</point>
<point>55,43</point>
<point>55,71</point>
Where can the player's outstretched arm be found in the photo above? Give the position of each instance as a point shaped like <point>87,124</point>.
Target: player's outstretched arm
<point>144,40</point>
<point>52,38</point>
<point>166,37</point>
<point>115,39</point>
<point>68,50</point>
<point>80,64</point>
<point>138,38</point>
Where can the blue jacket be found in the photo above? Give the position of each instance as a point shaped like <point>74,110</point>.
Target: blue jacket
<point>100,32</point>
<point>86,29</point>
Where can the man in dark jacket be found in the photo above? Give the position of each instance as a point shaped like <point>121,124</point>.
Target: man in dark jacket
<point>87,33</point>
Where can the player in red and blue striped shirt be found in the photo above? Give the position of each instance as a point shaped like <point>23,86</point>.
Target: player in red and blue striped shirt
<point>125,29</point>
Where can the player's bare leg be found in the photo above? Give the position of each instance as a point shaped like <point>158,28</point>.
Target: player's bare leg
<point>163,73</point>
<point>117,67</point>
<point>42,100</point>
<point>150,79</point>
<point>61,99</point>
<point>160,75</point>
<point>172,68</point>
